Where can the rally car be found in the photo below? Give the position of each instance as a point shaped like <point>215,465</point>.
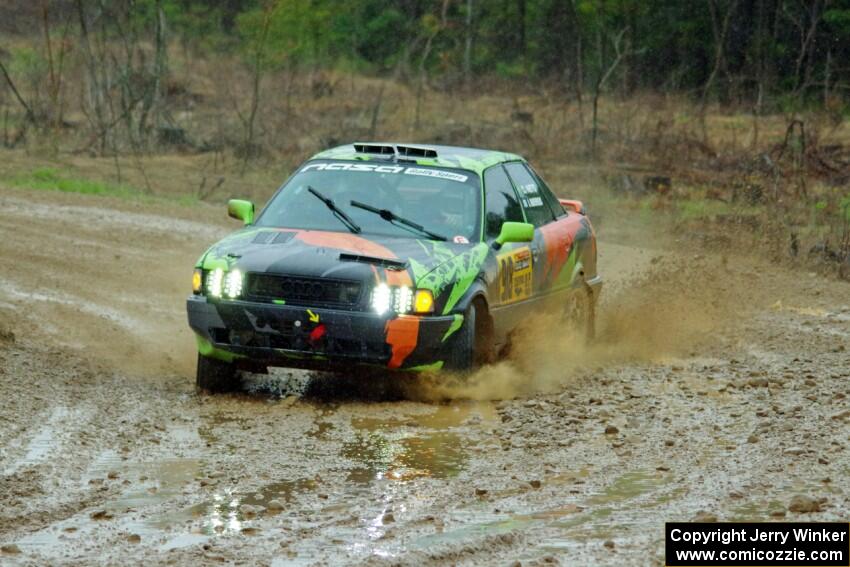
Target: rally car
<point>399,256</point>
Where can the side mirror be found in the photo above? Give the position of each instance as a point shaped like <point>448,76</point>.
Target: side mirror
<point>515,232</point>
<point>242,210</point>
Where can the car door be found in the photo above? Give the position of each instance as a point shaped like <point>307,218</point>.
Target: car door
<point>565,236</point>
<point>538,212</point>
<point>510,278</point>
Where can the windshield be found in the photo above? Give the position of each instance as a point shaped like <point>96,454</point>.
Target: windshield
<point>419,201</point>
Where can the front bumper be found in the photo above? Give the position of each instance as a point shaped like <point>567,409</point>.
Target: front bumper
<point>263,334</point>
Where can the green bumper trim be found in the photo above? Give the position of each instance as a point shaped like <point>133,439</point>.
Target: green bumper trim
<point>207,349</point>
<point>433,367</point>
<point>458,321</point>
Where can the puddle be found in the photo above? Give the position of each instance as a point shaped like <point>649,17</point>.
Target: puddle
<point>755,511</point>
<point>441,417</point>
<point>628,486</point>
<point>596,517</point>
<point>163,481</point>
<point>437,455</point>
<point>229,512</point>
<point>410,441</point>
<point>406,447</point>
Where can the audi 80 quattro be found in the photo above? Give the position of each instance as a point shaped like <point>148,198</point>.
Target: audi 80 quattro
<point>400,256</point>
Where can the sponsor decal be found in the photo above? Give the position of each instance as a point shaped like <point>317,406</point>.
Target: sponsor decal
<point>529,189</point>
<point>376,168</point>
<point>515,275</point>
<point>344,166</point>
<point>450,175</point>
<point>529,195</point>
<point>460,239</point>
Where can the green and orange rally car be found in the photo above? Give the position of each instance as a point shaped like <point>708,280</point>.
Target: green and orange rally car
<point>401,256</point>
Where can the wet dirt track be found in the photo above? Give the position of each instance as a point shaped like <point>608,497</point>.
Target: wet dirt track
<point>718,388</point>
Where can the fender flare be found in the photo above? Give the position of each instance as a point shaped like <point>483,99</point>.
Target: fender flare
<point>476,290</point>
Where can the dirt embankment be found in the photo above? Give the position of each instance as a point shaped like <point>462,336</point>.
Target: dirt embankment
<point>717,388</point>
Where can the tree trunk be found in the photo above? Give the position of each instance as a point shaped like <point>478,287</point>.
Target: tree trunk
<point>720,29</point>
<point>521,26</point>
<point>467,49</point>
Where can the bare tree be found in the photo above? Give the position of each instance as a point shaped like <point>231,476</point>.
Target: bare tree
<point>806,25</point>
<point>601,79</point>
<point>720,30</point>
<point>258,68</point>
<point>467,48</point>
<point>426,52</point>
<point>30,115</point>
<point>152,94</point>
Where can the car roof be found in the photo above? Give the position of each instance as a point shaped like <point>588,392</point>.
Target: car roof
<point>473,159</point>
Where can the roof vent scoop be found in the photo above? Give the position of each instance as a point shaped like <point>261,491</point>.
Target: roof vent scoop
<point>395,151</point>
<point>414,152</point>
<point>380,149</point>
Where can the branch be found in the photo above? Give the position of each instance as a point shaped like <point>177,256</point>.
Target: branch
<point>619,55</point>
<point>30,113</point>
<point>720,34</point>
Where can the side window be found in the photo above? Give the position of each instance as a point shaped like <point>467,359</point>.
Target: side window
<point>548,196</point>
<point>500,201</point>
<point>536,209</point>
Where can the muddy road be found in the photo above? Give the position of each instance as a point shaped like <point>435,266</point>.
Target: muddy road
<point>717,389</point>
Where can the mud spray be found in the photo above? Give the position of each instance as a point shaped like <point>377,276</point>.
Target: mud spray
<point>664,313</point>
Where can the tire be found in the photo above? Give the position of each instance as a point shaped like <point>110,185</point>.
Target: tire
<point>461,356</point>
<point>216,376</point>
<point>580,312</point>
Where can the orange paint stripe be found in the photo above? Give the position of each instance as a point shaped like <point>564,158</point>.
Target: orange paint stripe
<point>402,336</point>
<point>398,277</point>
<point>348,242</point>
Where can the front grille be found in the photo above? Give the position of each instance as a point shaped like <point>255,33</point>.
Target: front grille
<point>297,290</point>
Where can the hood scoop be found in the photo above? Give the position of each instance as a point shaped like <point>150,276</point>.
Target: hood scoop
<point>387,263</point>
<point>269,237</point>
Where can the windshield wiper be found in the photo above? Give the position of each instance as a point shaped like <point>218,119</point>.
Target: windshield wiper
<point>338,213</point>
<point>390,216</point>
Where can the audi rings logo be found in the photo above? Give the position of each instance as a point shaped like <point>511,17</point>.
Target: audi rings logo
<point>302,288</point>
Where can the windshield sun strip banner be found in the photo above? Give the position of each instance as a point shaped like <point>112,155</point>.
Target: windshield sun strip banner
<point>376,168</point>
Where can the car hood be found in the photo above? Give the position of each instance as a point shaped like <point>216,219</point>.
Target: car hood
<point>327,254</point>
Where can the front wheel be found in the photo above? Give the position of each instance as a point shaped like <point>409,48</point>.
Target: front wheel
<point>215,375</point>
<point>461,356</point>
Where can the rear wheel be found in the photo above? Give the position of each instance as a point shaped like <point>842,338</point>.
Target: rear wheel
<point>215,375</point>
<point>580,312</point>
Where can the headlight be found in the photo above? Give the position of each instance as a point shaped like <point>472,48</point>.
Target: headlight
<point>381,298</point>
<point>233,284</point>
<point>401,299</point>
<point>224,284</point>
<point>215,281</point>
